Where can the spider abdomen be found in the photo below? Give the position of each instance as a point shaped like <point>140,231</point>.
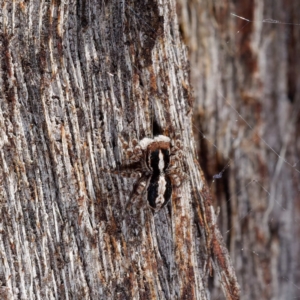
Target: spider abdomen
<point>156,160</point>
<point>159,191</point>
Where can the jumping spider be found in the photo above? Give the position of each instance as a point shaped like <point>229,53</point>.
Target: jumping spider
<point>155,161</point>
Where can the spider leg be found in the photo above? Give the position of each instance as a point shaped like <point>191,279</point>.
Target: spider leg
<point>134,153</point>
<point>177,147</point>
<point>137,193</point>
<point>133,214</point>
<point>177,176</point>
<point>176,173</point>
<point>132,170</point>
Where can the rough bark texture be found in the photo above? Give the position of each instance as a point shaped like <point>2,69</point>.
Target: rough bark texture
<point>79,82</point>
<point>247,90</point>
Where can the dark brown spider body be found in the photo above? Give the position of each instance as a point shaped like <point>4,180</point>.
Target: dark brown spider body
<point>159,191</point>
<point>160,176</point>
<point>155,161</point>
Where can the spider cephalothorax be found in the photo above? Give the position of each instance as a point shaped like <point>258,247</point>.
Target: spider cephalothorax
<point>159,174</point>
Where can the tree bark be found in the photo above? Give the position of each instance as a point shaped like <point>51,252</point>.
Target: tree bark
<point>80,83</point>
<point>247,100</point>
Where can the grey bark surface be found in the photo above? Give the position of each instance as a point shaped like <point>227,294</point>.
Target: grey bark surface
<point>79,82</point>
<point>247,106</point>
